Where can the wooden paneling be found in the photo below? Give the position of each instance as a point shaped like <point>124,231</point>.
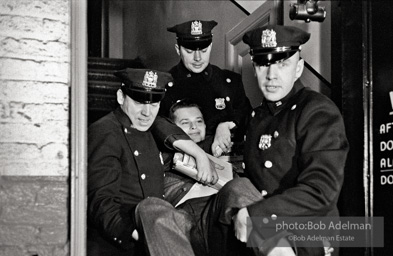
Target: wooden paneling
<point>237,57</point>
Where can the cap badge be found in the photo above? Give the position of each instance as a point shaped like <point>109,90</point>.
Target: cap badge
<point>196,28</point>
<point>268,38</point>
<point>265,141</point>
<point>220,103</point>
<point>150,79</point>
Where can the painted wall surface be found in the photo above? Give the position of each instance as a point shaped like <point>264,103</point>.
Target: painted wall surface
<point>145,24</point>
<point>34,127</point>
<point>317,51</point>
<point>34,95</point>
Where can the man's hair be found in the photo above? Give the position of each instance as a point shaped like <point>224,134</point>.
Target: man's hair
<point>183,103</point>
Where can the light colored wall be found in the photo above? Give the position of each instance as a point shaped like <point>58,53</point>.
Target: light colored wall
<point>250,6</point>
<point>317,51</point>
<point>34,127</point>
<point>34,95</point>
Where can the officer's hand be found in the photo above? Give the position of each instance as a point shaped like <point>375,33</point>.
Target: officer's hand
<point>222,139</point>
<point>283,249</point>
<point>207,173</point>
<point>240,225</point>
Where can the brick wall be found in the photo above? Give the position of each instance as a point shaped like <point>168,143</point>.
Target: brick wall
<point>34,127</point>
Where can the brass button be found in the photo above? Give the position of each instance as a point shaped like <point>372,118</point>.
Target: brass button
<point>268,164</point>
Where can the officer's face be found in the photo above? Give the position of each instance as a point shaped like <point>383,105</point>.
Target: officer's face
<point>190,120</point>
<point>141,115</point>
<point>194,60</point>
<point>276,81</point>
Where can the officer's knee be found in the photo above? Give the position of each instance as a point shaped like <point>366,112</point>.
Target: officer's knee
<point>234,186</point>
<point>150,204</point>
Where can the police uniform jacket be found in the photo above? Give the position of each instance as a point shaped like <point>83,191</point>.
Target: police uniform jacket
<point>295,152</point>
<point>218,92</point>
<point>124,167</point>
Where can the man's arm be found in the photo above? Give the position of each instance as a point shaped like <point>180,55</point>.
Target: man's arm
<point>238,117</point>
<point>206,170</point>
<point>169,134</point>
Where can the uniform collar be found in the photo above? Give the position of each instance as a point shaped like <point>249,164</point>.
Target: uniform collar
<point>122,117</point>
<point>276,106</point>
<point>185,73</point>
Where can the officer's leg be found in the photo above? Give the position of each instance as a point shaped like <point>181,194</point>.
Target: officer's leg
<point>197,208</point>
<point>166,231</point>
<point>236,194</point>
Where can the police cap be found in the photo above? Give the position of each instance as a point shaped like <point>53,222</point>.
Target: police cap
<point>144,85</point>
<point>194,34</point>
<point>274,43</point>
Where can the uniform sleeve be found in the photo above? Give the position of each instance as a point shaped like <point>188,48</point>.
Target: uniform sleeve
<point>241,105</point>
<point>165,105</point>
<point>166,132</point>
<point>323,147</point>
<point>168,99</point>
<point>105,211</point>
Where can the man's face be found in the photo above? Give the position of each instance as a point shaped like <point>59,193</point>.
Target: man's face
<point>190,120</point>
<point>276,81</point>
<point>194,60</point>
<point>141,115</point>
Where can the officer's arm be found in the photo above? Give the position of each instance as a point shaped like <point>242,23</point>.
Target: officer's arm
<point>115,220</point>
<point>241,104</point>
<point>165,132</point>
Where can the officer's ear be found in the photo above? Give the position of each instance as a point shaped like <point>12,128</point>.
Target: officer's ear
<point>120,97</point>
<point>177,48</point>
<point>299,67</point>
<point>253,68</point>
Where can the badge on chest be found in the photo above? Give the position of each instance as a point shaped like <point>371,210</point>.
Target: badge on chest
<point>265,141</point>
<point>220,103</point>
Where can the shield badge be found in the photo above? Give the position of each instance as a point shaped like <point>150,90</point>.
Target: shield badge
<point>265,141</point>
<point>196,28</point>
<point>150,79</point>
<point>220,103</point>
<point>268,38</point>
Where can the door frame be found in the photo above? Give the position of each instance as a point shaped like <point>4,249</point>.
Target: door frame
<point>78,128</point>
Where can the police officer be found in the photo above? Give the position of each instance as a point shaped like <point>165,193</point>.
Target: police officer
<point>296,146</point>
<point>126,210</point>
<point>219,93</point>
